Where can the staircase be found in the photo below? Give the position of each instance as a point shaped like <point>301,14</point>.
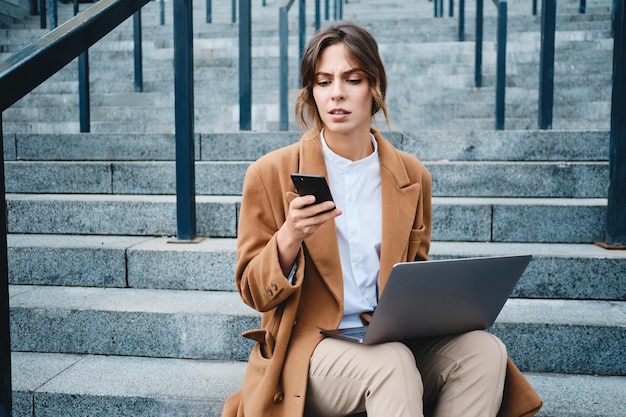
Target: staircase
<point>110,316</point>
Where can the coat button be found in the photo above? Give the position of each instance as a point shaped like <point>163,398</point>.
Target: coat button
<point>295,321</point>
<point>269,291</point>
<point>278,398</point>
<point>274,286</point>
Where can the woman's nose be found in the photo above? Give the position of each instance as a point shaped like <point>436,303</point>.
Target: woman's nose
<point>338,92</point>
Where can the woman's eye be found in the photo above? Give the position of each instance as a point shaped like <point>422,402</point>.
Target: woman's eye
<point>354,80</point>
<point>323,83</point>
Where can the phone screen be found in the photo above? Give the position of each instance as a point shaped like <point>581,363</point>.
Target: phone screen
<point>315,185</point>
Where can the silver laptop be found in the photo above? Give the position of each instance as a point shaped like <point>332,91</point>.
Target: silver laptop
<point>439,297</point>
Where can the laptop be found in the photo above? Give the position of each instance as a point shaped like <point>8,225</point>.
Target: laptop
<point>439,297</point>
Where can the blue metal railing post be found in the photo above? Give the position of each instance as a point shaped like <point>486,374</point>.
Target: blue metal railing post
<point>83,92</point>
<point>6,391</point>
<point>233,7</point>
<point>327,9</point>
<point>209,11</point>
<point>301,28</point>
<point>546,63</point>
<point>184,119</point>
<point>451,8</point>
<point>461,20</point>
<point>283,30</point>
<point>42,14</point>
<point>54,14</point>
<point>616,209</point>
<point>318,15</point>
<point>138,51</point>
<point>478,52</point>
<point>162,12</point>
<point>501,65</point>
<point>582,8</point>
<point>534,7</point>
<point>245,65</point>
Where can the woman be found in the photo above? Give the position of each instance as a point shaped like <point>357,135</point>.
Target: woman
<point>307,266</point>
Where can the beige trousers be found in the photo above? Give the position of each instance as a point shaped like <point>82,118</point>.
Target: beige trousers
<point>454,376</point>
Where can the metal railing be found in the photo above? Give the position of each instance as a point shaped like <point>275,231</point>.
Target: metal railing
<point>283,31</point>
<point>37,62</point>
<point>546,62</point>
<point>616,210</point>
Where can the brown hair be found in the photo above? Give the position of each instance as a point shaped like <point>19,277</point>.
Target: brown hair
<point>362,48</point>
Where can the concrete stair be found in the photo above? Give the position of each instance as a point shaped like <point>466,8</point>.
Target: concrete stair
<point>111,316</point>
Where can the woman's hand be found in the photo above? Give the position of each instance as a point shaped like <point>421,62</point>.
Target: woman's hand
<point>303,219</point>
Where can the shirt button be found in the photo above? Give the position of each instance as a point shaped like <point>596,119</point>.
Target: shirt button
<point>278,398</point>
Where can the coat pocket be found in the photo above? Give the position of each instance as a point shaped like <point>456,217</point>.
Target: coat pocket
<point>265,341</point>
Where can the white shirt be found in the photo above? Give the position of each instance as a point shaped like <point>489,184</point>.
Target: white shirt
<point>355,187</point>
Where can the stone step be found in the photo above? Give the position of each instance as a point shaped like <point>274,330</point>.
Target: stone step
<point>567,271</point>
<point>450,179</point>
<point>545,220</point>
<point>563,336</point>
<point>50,385</point>
<point>467,145</point>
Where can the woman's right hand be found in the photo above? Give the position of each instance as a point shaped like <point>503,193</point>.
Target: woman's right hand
<point>303,219</point>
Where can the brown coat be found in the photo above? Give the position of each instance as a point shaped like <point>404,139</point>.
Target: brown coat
<point>276,377</point>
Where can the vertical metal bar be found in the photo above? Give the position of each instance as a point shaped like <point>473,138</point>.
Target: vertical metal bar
<point>75,6</point>
<point>301,28</point>
<point>582,8</point>
<point>245,65</point>
<point>6,391</point>
<point>616,210</point>
<point>478,51</point>
<point>534,7</point>
<point>546,63</point>
<point>184,119</point>
<point>451,8</point>
<point>318,17</point>
<point>436,8</point>
<point>162,11</point>
<point>461,20</point>
<point>138,52</point>
<point>336,10</point>
<point>83,92</point>
<point>42,14</point>
<point>341,9</point>
<point>327,6</point>
<point>209,11</point>
<point>501,65</point>
<point>283,28</point>
<point>441,11</point>
<point>233,5</point>
<point>54,15</point>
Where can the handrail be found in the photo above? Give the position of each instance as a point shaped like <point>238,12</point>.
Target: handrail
<point>19,75</point>
<point>34,64</point>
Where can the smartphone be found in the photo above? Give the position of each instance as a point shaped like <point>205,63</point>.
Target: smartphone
<point>310,184</point>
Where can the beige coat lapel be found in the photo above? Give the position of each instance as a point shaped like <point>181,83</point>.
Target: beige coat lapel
<point>322,246</point>
<point>400,199</point>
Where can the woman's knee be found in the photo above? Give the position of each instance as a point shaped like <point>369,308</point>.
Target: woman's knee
<point>487,352</point>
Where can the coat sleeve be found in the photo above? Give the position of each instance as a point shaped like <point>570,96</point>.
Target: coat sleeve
<point>520,399</point>
<point>258,275</point>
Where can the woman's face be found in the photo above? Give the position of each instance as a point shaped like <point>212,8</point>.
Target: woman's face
<point>341,92</point>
